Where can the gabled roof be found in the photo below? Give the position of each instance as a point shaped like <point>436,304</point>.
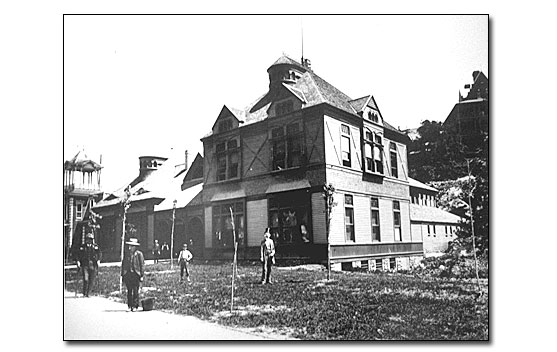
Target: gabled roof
<point>422,213</point>
<point>417,184</point>
<point>296,92</point>
<point>159,185</point>
<point>359,104</point>
<point>238,114</point>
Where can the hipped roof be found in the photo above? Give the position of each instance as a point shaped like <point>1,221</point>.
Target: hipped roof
<point>312,90</point>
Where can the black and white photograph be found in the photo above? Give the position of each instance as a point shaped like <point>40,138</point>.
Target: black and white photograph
<point>276,177</point>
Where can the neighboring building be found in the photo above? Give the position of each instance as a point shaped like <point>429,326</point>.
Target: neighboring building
<point>435,226</point>
<point>270,161</point>
<point>152,194</point>
<point>469,118</point>
<point>82,187</point>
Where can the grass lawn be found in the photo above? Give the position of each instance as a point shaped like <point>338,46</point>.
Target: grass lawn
<point>303,304</point>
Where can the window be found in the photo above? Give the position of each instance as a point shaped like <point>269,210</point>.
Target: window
<point>79,211</point>
<point>394,160</point>
<point>222,224</point>
<point>349,218</point>
<point>284,107</point>
<point>375,228</point>
<point>396,218</point>
<point>288,217</point>
<point>228,160</point>
<point>373,116</point>
<point>287,146</point>
<point>373,152</point>
<point>345,145</point>
<point>225,125</point>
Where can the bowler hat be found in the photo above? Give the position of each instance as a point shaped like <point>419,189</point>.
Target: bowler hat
<point>133,242</point>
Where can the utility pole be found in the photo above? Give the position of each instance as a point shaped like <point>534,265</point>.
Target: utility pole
<point>127,204</point>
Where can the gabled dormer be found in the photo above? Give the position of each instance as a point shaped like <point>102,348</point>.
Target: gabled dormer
<point>366,108</point>
<point>227,120</point>
<point>286,100</point>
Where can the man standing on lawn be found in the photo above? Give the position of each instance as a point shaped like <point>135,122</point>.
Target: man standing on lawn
<point>156,252</point>
<point>267,257</point>
<point>132,272</point>
<point>88,262</point>
<point>183,258</point>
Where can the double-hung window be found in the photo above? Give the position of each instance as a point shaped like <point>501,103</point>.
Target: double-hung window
<point>345,145</point>
<point>287,144</point>
<point>394,160</point>
<point>349,218</point>
<point>79,211</point>
<point>396,220</point>
<point>375,227</point>
<point>228,160</point>
<point>373,152</point>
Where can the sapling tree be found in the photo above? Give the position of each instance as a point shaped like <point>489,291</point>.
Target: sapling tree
<point>329,196</point>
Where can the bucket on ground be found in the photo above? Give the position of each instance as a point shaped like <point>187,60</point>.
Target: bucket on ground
<point>148,303</point>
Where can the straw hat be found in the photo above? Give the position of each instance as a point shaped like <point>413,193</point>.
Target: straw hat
<point>133,242</point>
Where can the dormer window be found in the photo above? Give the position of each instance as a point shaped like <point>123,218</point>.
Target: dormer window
<point>284,107</point>
<point>225,125</point>
<point>373,116</point>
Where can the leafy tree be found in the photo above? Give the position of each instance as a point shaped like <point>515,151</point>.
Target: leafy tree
<point>437,157</point>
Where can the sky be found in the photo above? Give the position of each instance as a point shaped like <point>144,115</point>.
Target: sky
<point>153,85</point>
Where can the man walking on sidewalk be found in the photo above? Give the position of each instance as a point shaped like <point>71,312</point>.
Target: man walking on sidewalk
<point>132,272</point>
<point>88,262</point>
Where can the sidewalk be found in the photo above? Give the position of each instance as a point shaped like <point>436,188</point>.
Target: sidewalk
<point>99,318</point>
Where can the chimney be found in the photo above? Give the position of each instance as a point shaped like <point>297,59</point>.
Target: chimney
<point>148,165</point>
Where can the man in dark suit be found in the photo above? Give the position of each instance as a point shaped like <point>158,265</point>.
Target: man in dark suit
<point>132,272</point>
<point>88,262</point>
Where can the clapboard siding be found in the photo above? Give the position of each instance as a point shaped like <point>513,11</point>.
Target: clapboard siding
<point>362,219</point>
<point>318,218</point>
<point>208,227</point>
<point>257,221</point>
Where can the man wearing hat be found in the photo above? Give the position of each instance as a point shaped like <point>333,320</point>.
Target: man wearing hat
<point>132,272</point>
<point>88,262</point>
<point>184,258</point>
<point>267,257</point>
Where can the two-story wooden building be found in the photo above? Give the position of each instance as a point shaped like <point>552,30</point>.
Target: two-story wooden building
<point>82,188</point>
<point>270,161</point>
